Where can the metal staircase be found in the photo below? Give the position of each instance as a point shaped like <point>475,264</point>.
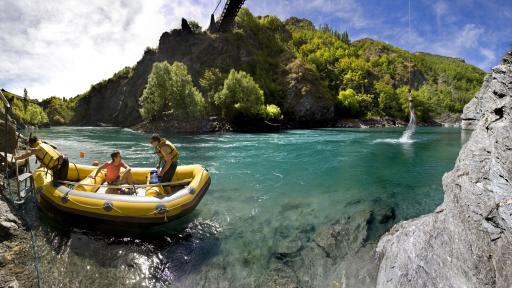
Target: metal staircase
<point>226,21</point>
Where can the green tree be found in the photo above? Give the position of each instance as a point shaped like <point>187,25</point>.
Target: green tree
<point>348,100</point>
<point>35,115</point>
<point>353,104</point>
<point>211,82</point>
<point>171,94</point>
<point>194,25</point>
<point>25,98</point>
<point>421,101</point>
<point>344,37</point>
<point>389,101</point>
<point>240,96</point>
<point>272,112</point>
<point>58,110</point>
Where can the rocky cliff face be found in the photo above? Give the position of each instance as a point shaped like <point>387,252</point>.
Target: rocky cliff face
<point>467,241</point>
<point>306,101</point>
<point>116,101</point>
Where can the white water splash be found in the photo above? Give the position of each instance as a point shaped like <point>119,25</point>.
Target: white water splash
<point>409,131</point>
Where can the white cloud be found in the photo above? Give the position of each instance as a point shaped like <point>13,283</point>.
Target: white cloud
<point>489,57</point>
<point>62,47</point>
<point>468,37</point>
<point>450,44</point>
<point>440,8</point>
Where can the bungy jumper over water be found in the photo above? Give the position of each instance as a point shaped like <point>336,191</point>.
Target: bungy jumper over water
<point>86,196</point>
<point>411,127</point>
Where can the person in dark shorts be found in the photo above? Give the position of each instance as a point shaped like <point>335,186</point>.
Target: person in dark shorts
<point>169,155</point>
<point>49,157</point>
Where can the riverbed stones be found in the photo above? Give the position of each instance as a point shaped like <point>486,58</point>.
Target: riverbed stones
<point>344,235</point>
<point>467,242</point>
<point>16,259</point>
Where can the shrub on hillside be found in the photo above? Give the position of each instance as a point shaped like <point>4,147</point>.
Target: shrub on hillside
<point>194,25</point>
<point>171,94</point>
<point>211,83</point>
<point>353,104</point>
<point>389,100</point>
<point>35,115</point>
<point>240,96</point>
<point>272,112</point>
<point>58,110</point>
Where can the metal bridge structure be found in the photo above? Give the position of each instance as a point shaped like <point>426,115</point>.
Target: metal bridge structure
<point>226,21</point>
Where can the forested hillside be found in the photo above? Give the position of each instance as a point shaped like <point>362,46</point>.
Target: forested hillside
<point>279,71</point>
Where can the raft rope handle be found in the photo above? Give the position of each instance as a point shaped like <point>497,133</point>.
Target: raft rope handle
<point>77,172</point>
<point>177,183</point>
<point>94,207</point>
<point>165,212</point>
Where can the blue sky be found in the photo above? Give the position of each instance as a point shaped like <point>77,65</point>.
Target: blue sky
<point>478,31</point>
<point>61,47</point>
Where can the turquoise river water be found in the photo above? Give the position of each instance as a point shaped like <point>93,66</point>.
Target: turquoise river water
<point>259,223</point>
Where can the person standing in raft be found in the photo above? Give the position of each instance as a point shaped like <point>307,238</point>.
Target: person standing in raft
<point>114,175</point>
<point>49,157</point>
<point>169,154</point>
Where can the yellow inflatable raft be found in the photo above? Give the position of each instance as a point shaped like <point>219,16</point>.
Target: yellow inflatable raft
<point>88,196</point>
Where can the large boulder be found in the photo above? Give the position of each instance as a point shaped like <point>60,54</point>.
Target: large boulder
<point>467,241</point>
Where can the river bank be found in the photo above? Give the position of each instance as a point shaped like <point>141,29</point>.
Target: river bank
<point>16,255</point>
<point>214,124</point>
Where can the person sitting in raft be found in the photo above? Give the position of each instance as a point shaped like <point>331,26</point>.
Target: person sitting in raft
<point>114,175</point>
<point>169,154</point>
<point>49,157</point>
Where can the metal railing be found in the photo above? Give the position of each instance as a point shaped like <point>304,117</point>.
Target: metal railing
<point>175,183</point>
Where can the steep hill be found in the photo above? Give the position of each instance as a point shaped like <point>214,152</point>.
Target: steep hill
<point>300,68</point>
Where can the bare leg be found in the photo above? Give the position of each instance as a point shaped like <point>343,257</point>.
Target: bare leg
<point>127,177</point>
<point>112,191</point>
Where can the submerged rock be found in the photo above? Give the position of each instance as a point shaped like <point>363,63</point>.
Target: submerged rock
<point>344,235</point>
<point>467,242</point>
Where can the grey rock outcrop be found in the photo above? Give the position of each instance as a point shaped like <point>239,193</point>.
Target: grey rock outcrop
<point>467,241</point>
<point>480,105</point>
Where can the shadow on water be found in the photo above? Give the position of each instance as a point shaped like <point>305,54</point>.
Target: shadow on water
<point>176,249</point>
